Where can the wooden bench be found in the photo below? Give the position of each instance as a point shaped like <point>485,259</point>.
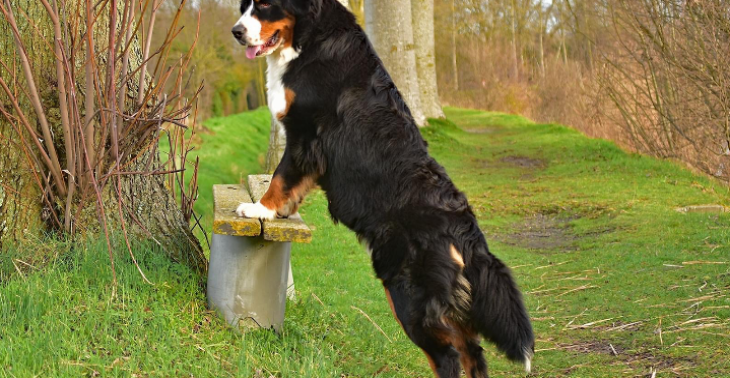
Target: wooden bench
<point>249,276</point>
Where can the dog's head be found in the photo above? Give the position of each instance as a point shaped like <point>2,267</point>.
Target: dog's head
<point>268,25</point>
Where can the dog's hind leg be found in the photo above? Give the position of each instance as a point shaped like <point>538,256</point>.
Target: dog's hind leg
<point>441,354</point>
<point>472,356</point>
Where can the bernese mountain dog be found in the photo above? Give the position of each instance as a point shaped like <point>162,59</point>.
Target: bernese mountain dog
<point>349,131</point>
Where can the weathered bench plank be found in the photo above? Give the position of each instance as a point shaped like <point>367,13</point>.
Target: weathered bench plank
<point>226,199</point>
<point>292,229</point>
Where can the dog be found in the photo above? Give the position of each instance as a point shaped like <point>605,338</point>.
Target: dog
<point>349,131</point>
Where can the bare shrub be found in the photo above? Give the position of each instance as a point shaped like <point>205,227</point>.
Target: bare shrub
<point>670,79</point>
<point>651,75</point>
<point>486,82</point>
<point>89,127</point>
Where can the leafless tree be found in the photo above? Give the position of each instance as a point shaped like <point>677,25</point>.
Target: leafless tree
<point>670,80</point>
<point>389,24</point>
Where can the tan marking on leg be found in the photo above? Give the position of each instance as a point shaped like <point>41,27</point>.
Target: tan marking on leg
<point>289,96</point>
<point>275,198</point>
<point>286,200</point>
<point>456,256</point>
<point>296,195</point>
<point>432,364</point>
<point>466,361</point>
<point>299,191</point>
<point>392,306</point>
<point>459,341</point>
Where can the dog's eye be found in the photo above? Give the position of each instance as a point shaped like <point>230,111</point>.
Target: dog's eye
<point>264,4</point>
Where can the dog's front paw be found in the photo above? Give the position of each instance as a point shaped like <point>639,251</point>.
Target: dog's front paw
<point>255,210</point>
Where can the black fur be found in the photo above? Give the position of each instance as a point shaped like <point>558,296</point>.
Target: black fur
<point>351,130</point>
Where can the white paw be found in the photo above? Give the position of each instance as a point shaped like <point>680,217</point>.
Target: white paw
<point>255,210</point>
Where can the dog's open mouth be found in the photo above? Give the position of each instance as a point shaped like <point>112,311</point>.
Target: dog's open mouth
<point>254,51</point>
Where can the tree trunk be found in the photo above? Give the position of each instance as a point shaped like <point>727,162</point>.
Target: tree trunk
<point>389,25</point>
<point>149,208</point>
<point>19,196</point>
<point>542,35</point>
<point>357,8</point>
<point>277,144</point>
<point>423,39</point>
<point>514,42</point>
<point>454,60</point>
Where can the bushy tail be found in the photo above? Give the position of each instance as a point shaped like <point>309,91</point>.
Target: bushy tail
<point>498,312</point>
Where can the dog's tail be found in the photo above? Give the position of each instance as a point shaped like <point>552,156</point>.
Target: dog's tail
<point>497,310</point>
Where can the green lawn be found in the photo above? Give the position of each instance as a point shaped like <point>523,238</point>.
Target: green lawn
<point>618,283</point>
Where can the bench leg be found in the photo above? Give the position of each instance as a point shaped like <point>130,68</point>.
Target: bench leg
<point>248,279</point>
<point>291,293</point>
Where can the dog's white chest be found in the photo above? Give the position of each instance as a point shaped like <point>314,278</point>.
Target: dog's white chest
<point>277,66</point>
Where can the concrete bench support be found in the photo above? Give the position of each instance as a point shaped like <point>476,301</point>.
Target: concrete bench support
<point>249,277</point>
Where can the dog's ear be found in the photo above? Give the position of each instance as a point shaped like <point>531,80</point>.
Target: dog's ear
<point>304,7</point>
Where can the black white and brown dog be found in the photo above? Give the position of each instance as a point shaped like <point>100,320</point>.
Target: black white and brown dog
<point>349,131</point>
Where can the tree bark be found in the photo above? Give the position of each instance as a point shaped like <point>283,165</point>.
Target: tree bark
<point>21,204</point>
<point>277,144</point>
<point>514,42</point>
<point>454,59</point>
<point>149,208</point>
<point>389,24</point>
<point>356,7</point>
<point>423,39</point>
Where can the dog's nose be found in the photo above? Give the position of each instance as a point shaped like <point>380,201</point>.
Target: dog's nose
<point>238,31</point>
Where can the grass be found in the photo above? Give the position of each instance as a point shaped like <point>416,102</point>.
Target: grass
<point>618,283</point>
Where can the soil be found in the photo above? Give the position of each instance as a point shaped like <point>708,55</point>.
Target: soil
<point>514,161</point>
<point>593,347</point>
<point>482,130</point>
<point>543,232</point>
<point>645,358</point>
<point>524,162</point>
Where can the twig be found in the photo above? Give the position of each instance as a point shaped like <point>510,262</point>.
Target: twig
<point>124,231</point>
<point>34,96</point>
<point>542,291</point>
<point>624,326</point>
<point>146,53</point>
<point>703,298</point>
<point>661,339</point>
<point>88,128</point>
<point>704,262</point>
<point>26,264</point>
<point>373,322</point>
<point>575,317</point>
<point>613,350</point>
<point>18,270</point>
<point>318,300</point>
<point>587,325</point>
<point>584,287</point>
<point>552,265</point>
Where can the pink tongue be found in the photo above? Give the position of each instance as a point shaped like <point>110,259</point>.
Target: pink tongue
<point>251,51</point>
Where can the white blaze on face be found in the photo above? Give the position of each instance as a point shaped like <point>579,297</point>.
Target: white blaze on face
<point>252,25</point>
